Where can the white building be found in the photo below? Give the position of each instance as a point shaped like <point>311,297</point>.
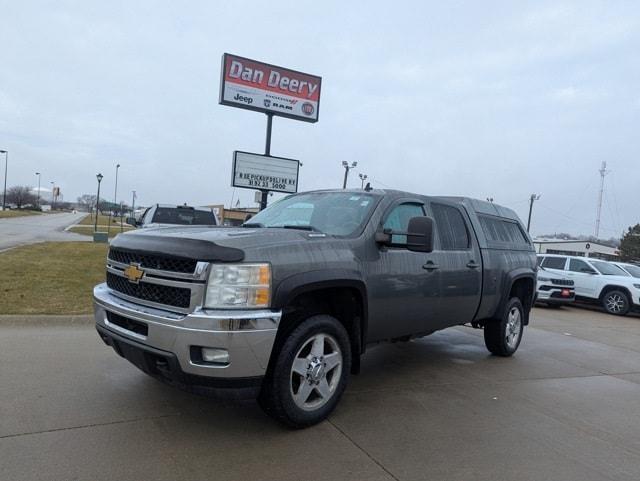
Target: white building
<point>576,248</point>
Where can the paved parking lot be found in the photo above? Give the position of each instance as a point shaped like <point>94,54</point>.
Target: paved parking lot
<point>566,407</point>
<point>18,231</point>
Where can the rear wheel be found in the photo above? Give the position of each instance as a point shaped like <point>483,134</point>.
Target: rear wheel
<point>310,373</point>
<point>502,336</point>
<point>616,303</point>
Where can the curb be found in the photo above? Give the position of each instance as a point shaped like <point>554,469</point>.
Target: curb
<point>46,320</point>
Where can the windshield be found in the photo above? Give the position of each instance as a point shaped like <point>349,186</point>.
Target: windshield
<point>633,270</point>
<point>183,216</point>
<point>607,269</point>
<point>333,213</point>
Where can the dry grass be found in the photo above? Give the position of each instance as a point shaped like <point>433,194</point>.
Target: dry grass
<point>102,220</point>
<point>51,278</point>
<point>5,214</point>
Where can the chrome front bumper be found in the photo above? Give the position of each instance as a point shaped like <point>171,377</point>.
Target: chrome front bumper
<point>248,336</point>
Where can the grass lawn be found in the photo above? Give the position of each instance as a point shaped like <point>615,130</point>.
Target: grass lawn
<point>88,229</point>
<point>4,214</point>
<point>102,220</point>
<point>51,278</point>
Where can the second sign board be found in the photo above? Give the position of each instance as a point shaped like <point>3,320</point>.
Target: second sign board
<point>263,172</point>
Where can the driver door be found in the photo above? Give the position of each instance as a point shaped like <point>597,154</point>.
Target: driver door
<point>403,294</point>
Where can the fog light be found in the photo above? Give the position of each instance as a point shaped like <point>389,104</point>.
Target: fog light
<point>219,356</point>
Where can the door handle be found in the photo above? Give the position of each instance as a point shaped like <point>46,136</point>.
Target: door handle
<point>430,266</point>
<point>473,265</point>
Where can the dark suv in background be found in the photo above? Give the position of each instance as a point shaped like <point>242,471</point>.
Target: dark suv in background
<point>159,215</point>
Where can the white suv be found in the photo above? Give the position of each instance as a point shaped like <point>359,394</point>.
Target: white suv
<point>597,281</point>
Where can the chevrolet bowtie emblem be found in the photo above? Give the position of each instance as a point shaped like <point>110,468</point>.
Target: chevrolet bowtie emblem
<point>133,273</point>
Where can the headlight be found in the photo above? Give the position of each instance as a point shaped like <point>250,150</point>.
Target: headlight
<point>233,286</point>
<point>543,279</point>
<point>637,286</point>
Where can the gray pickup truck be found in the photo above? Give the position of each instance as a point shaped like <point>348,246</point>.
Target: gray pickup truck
<point>284,307</point>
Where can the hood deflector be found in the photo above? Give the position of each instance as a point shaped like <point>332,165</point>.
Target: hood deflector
<point>177,247</point>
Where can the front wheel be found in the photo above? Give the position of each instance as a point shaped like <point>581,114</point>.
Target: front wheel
<point>616,303</point>
<point>310,373</point>
<point>502,336</point>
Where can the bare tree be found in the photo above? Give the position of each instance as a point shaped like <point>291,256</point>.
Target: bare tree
<point>87,202</point>
<point>20,195</point>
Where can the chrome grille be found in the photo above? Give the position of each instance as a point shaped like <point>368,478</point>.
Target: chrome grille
<point>562,282</point>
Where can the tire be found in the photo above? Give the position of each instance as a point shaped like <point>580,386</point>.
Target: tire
<point>616,303</point>
<point>502,336</point>
<point>310,373</point>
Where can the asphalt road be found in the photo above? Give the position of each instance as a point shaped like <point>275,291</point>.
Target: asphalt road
<point>18,231</point>
<point>566,407</point>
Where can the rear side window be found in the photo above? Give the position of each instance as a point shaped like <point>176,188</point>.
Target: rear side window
<point>554,262</point>
<point>451,227</point>
<point>501,230</point>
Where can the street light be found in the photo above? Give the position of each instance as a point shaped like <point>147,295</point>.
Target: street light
<point>53,201</point>
<point>115,198</point>
<point>347,168</point>
<point>532,199</point>
<point>38,202</point>
<point>6,162</point>
<point>363,177</point>
<point>99,177</point>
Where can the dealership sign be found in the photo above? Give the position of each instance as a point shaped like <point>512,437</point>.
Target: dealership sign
<point>258,86</point>
<point>263,172</point>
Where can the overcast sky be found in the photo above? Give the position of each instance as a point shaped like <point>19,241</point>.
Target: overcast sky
<point>483,99</point>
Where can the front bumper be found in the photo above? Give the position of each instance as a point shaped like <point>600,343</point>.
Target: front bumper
<point>552,294</point>
<point>247,336</point>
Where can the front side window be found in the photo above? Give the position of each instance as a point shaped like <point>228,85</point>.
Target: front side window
<point>554,262</point>
<point>398,220</point>
<point>333,213</point>
<point>451,227</point>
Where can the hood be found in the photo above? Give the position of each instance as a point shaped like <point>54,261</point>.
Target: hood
<point>208,243</point>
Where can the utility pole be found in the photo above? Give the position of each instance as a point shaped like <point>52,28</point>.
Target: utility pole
<point>38,201</point>
<point>6,162</point>
<point>603,171</point>
<point>363,177</point>
<point>53,200</point>
<point>532,199</point>
<point>133,203</point>
<point>347,168</point>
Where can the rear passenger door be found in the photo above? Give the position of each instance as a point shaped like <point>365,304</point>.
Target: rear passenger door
<point>458,260</point>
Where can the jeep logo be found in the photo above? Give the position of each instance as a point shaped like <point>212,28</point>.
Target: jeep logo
<point>241,98</point>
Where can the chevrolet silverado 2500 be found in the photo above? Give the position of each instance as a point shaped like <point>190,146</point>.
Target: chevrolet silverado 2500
<point>285,306</point>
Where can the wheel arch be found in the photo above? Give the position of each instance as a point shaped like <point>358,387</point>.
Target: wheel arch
<point>520,283</point>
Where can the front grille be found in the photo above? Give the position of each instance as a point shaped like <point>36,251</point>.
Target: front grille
<point>128,324</point>
<point>169,295</point>
<point>163,263</point>
<point>562,282</point>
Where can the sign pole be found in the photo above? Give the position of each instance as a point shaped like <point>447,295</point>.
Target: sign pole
<point>267,151</point>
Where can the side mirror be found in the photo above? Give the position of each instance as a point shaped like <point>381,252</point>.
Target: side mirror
<point>132,221</point>
<point>420,234</point>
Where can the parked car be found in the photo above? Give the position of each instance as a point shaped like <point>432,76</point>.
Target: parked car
<point>554,289</point>
<point>285,306</point>
<point>631,269</point>
<point>597,281</point>
<point>160,215</point>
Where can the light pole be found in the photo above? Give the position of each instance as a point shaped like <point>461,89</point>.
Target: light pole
<point>99,177</point>
<point>347,168</point>
<point>133,203</point>
<point>532,199</point>
<point>53,200</point>
<point>6,162</point>
<point>38,202</point>
<point>363,177</point>
<point>115,198</point>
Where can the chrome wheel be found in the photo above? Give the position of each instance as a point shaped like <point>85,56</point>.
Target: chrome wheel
<point>615,303</point>
<point>315,372</point>
<point>513,328</point>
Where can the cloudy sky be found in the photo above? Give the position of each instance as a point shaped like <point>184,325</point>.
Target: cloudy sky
<point>484,99</point>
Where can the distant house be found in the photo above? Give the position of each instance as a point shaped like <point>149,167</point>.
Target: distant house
<point>576,248</point>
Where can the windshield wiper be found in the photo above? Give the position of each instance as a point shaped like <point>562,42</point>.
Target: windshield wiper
<point>253,225</point>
